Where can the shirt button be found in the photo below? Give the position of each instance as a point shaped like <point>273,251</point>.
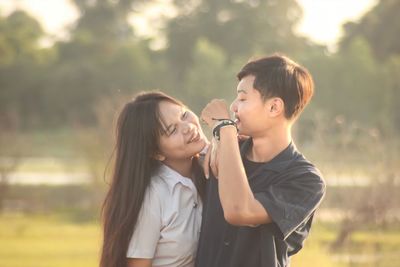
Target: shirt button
<point>226,243</point>
<point>194,205</point>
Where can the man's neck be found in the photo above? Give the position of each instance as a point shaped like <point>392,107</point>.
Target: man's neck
<point>266,147</point>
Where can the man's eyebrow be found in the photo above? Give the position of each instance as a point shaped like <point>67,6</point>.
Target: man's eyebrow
<point>241,91</point>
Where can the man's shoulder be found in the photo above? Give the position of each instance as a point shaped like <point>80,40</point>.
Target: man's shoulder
<point>303,171</point>
<point>298,169</point>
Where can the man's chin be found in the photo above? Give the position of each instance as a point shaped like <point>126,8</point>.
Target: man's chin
<point>240,129</point>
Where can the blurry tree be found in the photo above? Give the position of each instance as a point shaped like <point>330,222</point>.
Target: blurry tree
<point>23,64</point>
<point>19,37</point>
<point>380,27</point>
<point>239,28</point>
<point>95,144</point>
<point>11,150</point>
<point>102,24</point>
<point>209,77</point>
<point>351,149</point>
<point>102,57</point>
<point>361,81</point>
<point>80,80</point>
<point>207,42</point>
<point>7,166</point>
<point>392,72</point>
<point>351,83</point>
<point>378,204</point>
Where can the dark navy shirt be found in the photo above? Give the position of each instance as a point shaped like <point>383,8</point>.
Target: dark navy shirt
<point>289,187</point>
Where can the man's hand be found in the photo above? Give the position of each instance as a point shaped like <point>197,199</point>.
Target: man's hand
<point>216,109</point>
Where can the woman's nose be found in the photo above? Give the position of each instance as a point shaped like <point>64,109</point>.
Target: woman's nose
<point>186,128</point>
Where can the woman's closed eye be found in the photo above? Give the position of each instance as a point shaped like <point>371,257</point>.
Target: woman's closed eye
<point>172,130</point>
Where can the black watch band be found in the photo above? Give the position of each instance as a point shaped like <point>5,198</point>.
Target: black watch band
<point>222,123</point>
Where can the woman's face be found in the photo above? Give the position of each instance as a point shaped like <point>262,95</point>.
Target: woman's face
<point>183,137</point>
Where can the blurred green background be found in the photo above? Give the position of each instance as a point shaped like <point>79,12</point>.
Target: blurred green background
<point>58,104</point>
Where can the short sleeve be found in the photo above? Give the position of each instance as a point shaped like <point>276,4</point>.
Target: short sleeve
<point>292,202</point>
<point>144,240</point>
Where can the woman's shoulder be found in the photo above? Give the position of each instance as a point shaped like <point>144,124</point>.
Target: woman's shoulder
<point>154,194</point>
<point>165,180</point>
<point>158,196</point>
<point>158,186</point>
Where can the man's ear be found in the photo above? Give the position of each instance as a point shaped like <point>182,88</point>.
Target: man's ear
<point>276,106</point>
<point>159,157</point>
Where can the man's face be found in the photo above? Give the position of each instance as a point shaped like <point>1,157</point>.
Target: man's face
<point>250,110</point>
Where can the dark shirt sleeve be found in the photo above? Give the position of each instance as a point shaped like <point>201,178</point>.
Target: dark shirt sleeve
<point>291,203</point>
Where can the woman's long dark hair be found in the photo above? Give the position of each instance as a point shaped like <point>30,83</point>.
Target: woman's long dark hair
<point>137,141</point>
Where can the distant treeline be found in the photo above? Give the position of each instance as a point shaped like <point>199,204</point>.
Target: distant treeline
<point>195,56</point>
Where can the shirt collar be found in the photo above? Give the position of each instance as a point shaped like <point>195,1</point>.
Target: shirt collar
<point>280,162</point>
<point>172,177</point>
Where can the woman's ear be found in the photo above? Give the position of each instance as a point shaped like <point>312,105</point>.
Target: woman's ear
<point>159,157</point>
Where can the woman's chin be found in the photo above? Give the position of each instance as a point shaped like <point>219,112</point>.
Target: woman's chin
<point>202,143</point>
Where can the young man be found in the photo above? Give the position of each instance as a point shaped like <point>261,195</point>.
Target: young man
<point>259,210</point>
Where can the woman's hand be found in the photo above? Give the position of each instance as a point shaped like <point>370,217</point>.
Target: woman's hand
<point>211,159</point>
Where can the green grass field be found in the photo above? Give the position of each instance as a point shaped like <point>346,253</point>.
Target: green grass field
<point>33,241</point>
<point>47,242</point>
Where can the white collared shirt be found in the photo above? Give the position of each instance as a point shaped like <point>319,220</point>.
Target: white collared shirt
<point>168,226</point>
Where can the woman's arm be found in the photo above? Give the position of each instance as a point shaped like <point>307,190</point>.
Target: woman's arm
<point>139,263</point>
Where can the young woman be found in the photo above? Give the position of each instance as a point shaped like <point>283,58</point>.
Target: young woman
<point>152,211</point>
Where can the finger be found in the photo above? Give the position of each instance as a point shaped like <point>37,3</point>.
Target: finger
<point>243,137</point>
<point>213,158</point>
<point>204,116</point>
<point>206,163</point>
<point>214,169</point>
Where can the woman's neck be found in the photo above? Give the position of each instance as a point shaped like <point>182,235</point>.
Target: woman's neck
<point>183,167</point>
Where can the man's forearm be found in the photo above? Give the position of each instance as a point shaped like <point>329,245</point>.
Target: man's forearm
<point>234,189</point>
<point>238,201</point>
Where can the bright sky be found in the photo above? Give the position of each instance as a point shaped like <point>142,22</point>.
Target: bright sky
<point>322,19</point>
